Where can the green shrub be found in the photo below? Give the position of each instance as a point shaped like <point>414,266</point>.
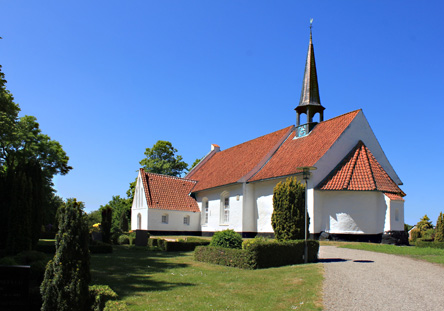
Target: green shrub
<point>248,243</point>
<point>238,258</point>
<point>288,218</point>
<point>415,234</point>
<point>8,261</point>
<point>123,239</point>
<point>178,246</point>
<point>194,239</point>
<point>112,305</point>
<point>99,295</point>
<point>439,230</point>
<point>28,257</point>
<point>435,244</point>
<point>428,235</point>
<point>65,285</point>
<point>259,253</point>
<point>226,238</point>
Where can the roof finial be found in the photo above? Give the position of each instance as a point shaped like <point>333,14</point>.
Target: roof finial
<point>311,24</point>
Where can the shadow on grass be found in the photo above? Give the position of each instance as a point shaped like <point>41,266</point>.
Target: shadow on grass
<point>129,270</point>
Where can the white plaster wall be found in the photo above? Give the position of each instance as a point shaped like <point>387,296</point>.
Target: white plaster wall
<point>175,220</point>
<point>351,212</point>
<point>263,192</point>
<point>139,206</point>
<point>391,223</point>
<point>214,200</point>
<point>359,129</point>
<point>249,215</point>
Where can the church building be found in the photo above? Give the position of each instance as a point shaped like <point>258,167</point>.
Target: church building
<point>352,189</point>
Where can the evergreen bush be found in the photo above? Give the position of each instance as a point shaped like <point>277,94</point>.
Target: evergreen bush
<point>288,218</point>
<point>226,238</point>
<point>415,234</point>
<point>65,285</point>
<point>99,295</point>
<point>439,230</point>
<point>123,239</point>
<point>105,226</point>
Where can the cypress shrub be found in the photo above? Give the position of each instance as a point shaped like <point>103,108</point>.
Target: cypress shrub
<point>65,284</point>
<point>107,214</point>
<point>227,238</point>
<point>288,210</point>
<point>439,230</point>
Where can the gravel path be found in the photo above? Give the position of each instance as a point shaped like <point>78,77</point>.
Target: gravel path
<point>362,280</point>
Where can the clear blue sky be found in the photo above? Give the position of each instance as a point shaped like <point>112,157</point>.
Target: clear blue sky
<point>107,79</point>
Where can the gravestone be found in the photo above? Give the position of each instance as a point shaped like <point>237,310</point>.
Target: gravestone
<point>14,288</point>
<point>141,238</point>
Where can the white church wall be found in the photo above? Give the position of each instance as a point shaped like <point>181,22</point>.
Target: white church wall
<point>168,220</point>
<point>139,208</point>
<point>395,215</point>
<point>351,212</point>
<point>359,129</point>
<point>215,198</point>
<point>263,192</point>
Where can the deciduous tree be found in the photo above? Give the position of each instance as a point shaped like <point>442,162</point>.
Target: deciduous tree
<point>162,158</point>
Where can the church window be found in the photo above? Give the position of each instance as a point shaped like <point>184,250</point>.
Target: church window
<point>186,220</point>
<point>139,221</point>
<point>165,218</point>
<point>205,211</point>
<point>224,208</point>
<point>397,214</point>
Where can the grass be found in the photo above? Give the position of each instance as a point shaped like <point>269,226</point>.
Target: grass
<point>433,255</point>
<point>148,280</point>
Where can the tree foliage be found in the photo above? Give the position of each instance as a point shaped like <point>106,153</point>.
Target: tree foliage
<point>67,275</point>
<point>439,230</point>
<point>107,212</point>
<point>28,161</point>
<point>162,158</point>
<point>424,224</point>
<point>288,210</point>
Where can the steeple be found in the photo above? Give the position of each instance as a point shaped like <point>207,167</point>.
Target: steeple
<point>310,102</point>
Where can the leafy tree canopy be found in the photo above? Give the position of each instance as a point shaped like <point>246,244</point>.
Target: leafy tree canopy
<point>162,159</point>
<point>424,224</point>
<point>197,161</point>
<point>21,139</point>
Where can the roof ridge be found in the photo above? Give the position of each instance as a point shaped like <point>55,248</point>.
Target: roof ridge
<point>169,176</point>
<point>342,115</point>
<point>287,127</point>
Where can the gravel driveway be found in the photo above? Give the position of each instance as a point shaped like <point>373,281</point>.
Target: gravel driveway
<point>362,280</point>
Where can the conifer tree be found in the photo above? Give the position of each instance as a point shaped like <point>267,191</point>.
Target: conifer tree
<point>288,210</point>
<point>439,231</point>
<point>107,213</point>
<point>67,275</point>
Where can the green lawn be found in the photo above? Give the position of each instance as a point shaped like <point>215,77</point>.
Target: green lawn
<point>429,254</point>
<point>148,280</point>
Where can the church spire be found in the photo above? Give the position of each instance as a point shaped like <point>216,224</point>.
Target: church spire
<point>310,102</point>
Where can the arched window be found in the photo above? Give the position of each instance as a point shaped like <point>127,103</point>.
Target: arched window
<point>225,208</point>
<point>139,221</point>
<point>205,211</point>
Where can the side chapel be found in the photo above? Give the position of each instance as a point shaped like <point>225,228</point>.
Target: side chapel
<point>353,194</point>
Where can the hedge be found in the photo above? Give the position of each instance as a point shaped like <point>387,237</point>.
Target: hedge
<point>231,257</point>
<point>99,248</point>
<point>423,244</point>
<point>175,246</point>
<point>259,254</point>
<point>102,297</point>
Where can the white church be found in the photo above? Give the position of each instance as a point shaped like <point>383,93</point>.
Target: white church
<point>353,193</point>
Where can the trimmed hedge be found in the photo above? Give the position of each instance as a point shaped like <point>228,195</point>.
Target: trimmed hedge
<point>176,246</point>
<point>423,244</point>
<point>97,248</point>
<point>259,254</point>
<point>231,257</point>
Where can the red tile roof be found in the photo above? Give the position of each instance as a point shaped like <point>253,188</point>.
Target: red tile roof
<point>238,162</point>
<point>307,150</point>
<point>168,192</point>
<point>360,170</point>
